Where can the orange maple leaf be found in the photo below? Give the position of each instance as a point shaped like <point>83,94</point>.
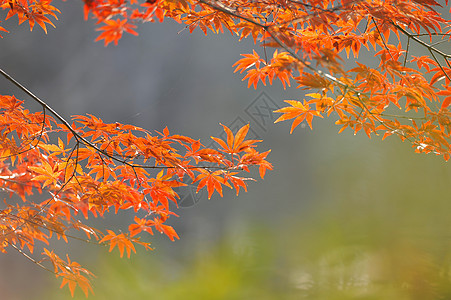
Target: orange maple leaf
<point>47,173</point>
<point>113,30</point>
<point>213,181</point>
<point>298,111</point>
<point>121,240</point>
<point>248,61</point>
<point>235,144</point>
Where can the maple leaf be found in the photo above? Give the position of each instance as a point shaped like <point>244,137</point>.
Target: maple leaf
<point>113,30</point>
<point>141,225</point>
<point>424,62</point>
<point>71,272</point>
<point>237,143</point>
<point>47,174</point>
<point>213,181</point>
<point>37,16</point>
<point>122,241</point>
<point>72,280</point>
<point>163,228</point>
<point>256,75</point>
<point>299,112</point>
<point>252,157</point>
<point>161,189</point>
<point>236,181</point>
<point>249,60</point>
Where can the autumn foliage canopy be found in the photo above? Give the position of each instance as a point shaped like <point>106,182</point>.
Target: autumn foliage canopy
<point>87,168</point>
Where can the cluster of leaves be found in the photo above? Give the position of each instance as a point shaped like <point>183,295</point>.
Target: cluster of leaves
<point>314,34</point>
<point>309,38</point>
<point>102,167</point>
<point>90,166</point>
<point>31,11</point>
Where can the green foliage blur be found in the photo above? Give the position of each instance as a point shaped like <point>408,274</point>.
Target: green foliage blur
<point>378,226</point>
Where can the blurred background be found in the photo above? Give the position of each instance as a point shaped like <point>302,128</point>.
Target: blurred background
<point>339,217</point>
